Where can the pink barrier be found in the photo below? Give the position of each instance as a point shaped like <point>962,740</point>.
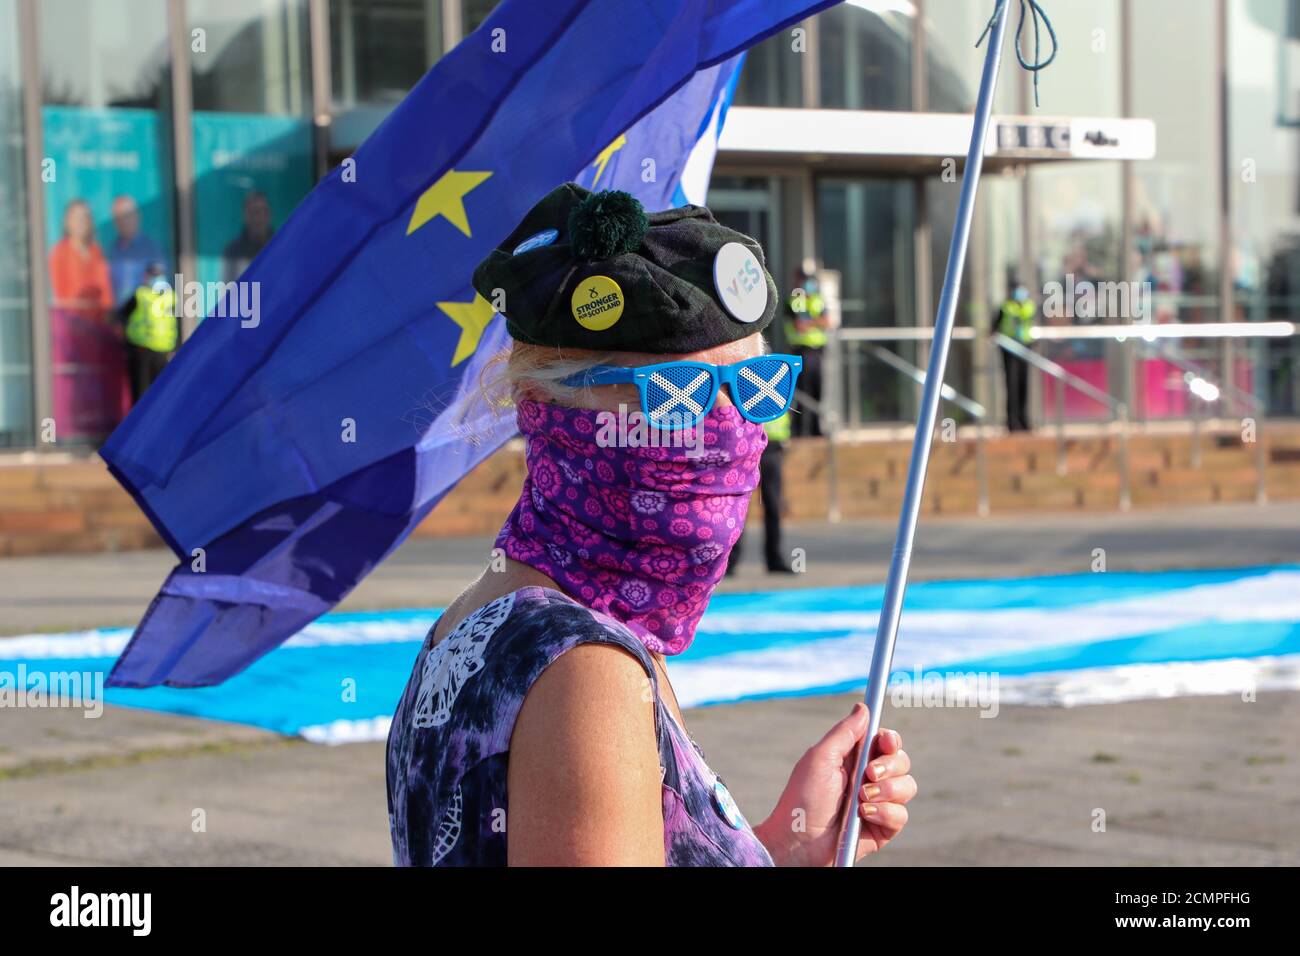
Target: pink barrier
<point>1161,390</point>
<point>1078,406</point>
<point>91,392</point>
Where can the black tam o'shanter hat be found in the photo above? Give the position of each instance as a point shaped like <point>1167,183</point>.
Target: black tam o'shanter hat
<point>595,271</point>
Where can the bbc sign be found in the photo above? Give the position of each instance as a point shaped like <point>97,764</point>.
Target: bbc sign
<point>1031,139</point>
<point>1076,138</point>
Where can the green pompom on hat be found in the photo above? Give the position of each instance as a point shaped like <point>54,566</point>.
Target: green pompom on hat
<point>607,224</point>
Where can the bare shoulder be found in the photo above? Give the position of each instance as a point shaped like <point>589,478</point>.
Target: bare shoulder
<point>584,781</point>
<point>593,679</point>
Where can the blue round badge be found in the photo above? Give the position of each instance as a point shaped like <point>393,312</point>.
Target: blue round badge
<point>727,805</point>
<point>543,238</point>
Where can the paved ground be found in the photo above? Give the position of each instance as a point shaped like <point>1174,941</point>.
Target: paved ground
<point>111,590</point>
<point>1207,780</point>
<point>1192,781</point>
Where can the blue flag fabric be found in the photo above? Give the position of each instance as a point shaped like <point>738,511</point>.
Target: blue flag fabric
<point>289,448</point>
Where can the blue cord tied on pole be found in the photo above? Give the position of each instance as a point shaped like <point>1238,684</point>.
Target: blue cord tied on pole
<point>1038,14</point>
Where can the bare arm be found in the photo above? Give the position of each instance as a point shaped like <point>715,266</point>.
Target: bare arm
<point>584,782</point>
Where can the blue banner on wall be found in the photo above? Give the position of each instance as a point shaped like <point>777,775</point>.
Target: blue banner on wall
<point>110,159</point>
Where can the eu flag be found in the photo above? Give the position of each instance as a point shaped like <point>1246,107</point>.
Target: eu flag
<point>283,455</point>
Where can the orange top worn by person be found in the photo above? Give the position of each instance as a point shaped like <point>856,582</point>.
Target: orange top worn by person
<point>78,268</point>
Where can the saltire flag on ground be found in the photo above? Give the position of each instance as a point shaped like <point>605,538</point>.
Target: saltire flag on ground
<point>284,455</point>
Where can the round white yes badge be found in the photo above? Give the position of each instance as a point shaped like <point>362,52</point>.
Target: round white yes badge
<point>740,282</point>
<point>726,805</point>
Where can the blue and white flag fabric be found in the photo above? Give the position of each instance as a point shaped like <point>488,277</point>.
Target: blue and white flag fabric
<point>284,455</point>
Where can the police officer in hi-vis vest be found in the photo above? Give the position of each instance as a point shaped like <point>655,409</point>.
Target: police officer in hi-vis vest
<point>151,329</point>
<point>805,335</point>
<point>1015,319</point>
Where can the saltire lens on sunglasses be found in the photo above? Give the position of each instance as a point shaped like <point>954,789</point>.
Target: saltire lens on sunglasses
<point>678,394</point>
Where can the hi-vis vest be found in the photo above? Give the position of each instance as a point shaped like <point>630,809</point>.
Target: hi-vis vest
<point>1016,320</point>
<point>813,305</point>
<point>152,324</point>
<point>778,429</point>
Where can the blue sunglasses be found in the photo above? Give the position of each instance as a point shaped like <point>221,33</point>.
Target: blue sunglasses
<point>678,394</point>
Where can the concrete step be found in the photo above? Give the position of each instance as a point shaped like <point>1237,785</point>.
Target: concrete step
<point>71,506</point>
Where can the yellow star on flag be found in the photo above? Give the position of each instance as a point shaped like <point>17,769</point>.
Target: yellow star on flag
<point>446,197</point>
<point>603,157</point>
<point>472,317</point>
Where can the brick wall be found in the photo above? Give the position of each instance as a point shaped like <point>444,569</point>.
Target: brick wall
<point>71,506</point>
<point>68,506</point>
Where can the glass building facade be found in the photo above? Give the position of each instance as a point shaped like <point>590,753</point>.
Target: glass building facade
<point>17,415</point>
<point>182,133</point>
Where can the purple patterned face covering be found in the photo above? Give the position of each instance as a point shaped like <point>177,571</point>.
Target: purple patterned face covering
<point>642,533</point>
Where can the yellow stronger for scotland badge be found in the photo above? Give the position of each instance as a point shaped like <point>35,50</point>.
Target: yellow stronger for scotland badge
<point>597,303</point>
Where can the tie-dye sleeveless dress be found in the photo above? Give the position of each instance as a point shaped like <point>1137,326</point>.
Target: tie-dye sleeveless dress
<point>450,740</point>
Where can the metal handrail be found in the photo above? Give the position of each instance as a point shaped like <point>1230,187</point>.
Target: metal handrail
<point>1048,367</point>
<point>968,405</point>
<point>917,374</point>
<point>1253,329</point>
<point>1118,410</point>
<point>1245,398</point>
<point>899,333</point>
<point>1149,339</point>
<point>1151,331</point>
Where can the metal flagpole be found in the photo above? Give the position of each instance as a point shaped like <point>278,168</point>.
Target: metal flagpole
<point>896,584</point>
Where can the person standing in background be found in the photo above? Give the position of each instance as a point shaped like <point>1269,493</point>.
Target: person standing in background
<point>89,387</point>
<point>771,465</point>
<point>1015,321</point>
<point>257,232</point>
<point>151,328</point>
<point>805,335</point>
<point>132,252</point>
<point>79,275</point>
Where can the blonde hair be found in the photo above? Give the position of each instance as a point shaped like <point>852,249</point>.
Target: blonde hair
<point>518,370</point>
<point>536,371</point>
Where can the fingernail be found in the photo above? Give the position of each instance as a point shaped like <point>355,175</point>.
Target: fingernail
<point>877,770</point>
<point>869,793</point>
<point>868,809</point>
